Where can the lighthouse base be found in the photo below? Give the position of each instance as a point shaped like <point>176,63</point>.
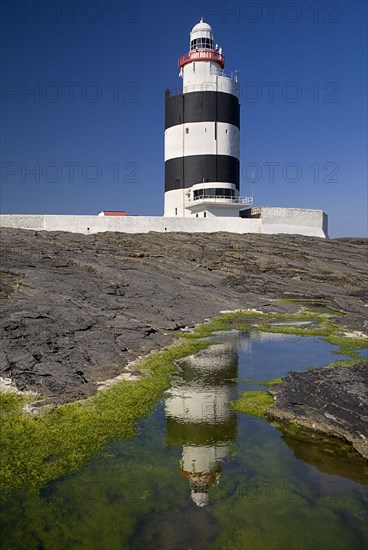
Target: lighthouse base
<point>267,220</point>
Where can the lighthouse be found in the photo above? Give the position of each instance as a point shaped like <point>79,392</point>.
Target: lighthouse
<point>199,418</point>
<point>202,134</point>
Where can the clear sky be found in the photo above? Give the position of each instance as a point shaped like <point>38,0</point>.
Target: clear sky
<point>82,102</point>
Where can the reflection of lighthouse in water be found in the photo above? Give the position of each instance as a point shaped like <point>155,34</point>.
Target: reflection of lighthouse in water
<point>198,416</point>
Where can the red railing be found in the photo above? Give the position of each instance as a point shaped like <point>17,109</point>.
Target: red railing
<point>201,56</point>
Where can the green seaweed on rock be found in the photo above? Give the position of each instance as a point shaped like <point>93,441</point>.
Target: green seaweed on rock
<point>255,403</point>
<point>36,449</point>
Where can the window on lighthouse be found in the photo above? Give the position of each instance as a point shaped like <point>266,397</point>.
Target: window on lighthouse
<point>201,43</point>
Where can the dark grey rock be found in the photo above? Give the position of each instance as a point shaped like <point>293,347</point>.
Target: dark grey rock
<point>93,303</point>
<point>333,401</point>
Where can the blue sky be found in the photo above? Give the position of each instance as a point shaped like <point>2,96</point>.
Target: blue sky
<point>82,101</point>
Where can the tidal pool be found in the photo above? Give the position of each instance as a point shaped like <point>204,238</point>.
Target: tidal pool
<point>362,352</point>
<point>197,475</point>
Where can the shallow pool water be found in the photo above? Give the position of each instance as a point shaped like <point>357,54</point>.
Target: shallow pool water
<point>197,475</point>
<point>362,352</point>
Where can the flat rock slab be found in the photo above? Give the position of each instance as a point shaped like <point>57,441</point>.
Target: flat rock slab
<point>78,309</point>
<point>333,401</point>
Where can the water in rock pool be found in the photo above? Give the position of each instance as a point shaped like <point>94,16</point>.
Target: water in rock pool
<point>198,475</point>
<point>362,352</point>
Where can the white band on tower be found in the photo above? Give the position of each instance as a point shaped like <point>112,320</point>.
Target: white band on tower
<point>202,134</point>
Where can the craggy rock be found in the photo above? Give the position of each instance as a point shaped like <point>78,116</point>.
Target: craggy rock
<point>76,309</point>
<point>332,401</point>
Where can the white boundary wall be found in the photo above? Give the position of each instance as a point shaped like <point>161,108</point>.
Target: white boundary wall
<point>295,221</point>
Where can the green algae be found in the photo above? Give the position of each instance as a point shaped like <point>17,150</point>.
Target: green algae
<point>272,382</point>
<point>278,502</point>
<point>216,324</point>
<point>255,403</point>
<point>130,494</point>
<point>243,321</point>
<point>36,449</point>
<point>99,505</point>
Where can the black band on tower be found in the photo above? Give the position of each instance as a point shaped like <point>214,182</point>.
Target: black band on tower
<point>202,107</point>
<point>183,172</point>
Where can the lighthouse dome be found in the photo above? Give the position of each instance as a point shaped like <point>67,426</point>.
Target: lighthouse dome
<point>201,36</point>
<point>201,26</point>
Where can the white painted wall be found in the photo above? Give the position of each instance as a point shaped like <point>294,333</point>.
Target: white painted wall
<point>228,140</point>
<point>125,224</point>
<point>296,221</point>
<point>22,221</point>
<point>175,199</point>
<point>198,138</point>
<point>232,211</point>
<point>303,221</point>
<point>206,76</point>
<point>176,203</point>
<point>128,224</point>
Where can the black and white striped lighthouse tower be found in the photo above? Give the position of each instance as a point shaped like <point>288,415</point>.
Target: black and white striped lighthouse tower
<point>202,127</point>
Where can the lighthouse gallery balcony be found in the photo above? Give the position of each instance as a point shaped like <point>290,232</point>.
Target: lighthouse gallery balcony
<point>224,200</point>
<point>201,55</point>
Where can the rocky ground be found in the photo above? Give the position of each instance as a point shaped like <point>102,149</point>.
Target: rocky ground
<point>76,309</point>
<point>331,401</point>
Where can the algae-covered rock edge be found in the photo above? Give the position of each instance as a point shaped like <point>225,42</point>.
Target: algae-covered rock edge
<point>36,449</point>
